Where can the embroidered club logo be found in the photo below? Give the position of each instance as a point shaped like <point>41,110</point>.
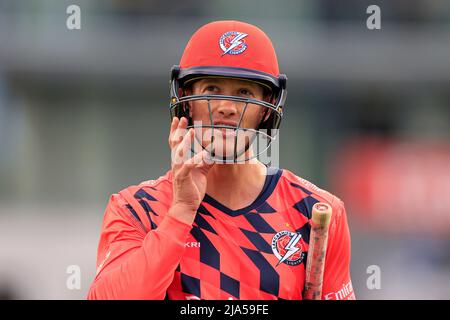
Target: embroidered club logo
<point>288,248</point>
<point>233,42</point>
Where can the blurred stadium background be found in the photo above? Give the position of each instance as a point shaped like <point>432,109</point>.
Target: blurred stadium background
<point>84,113</point>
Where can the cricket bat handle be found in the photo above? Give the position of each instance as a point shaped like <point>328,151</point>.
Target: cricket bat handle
<point>318,240</point>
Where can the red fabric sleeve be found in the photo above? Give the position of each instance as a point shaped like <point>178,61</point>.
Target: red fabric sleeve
<point>337,284</point>
<point>133,264</point>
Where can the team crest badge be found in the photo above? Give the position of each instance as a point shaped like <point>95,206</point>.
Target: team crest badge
<point>233,42</point>
<point>287,247</point>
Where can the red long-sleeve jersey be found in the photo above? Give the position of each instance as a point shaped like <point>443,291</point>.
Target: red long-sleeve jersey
<point>225,254</point>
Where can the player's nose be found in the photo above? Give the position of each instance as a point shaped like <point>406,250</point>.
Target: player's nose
<point>227,108</point>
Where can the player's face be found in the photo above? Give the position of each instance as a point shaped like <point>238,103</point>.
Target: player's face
<point>228,113</point>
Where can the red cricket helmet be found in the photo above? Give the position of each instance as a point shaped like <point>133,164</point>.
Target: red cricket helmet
<point>231,49</point>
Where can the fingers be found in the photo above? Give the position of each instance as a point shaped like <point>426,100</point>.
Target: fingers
<point>177,131</point>
<point>205,161</point>
<point>180,162</point>
<point>180,141</point>
<point>181,151</point>
<point>174,124</point>
<point>200,161</point>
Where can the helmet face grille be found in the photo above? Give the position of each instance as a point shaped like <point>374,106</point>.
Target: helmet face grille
<point>229,142</point>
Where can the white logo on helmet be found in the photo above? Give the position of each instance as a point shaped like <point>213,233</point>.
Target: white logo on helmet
<point>232,42</point>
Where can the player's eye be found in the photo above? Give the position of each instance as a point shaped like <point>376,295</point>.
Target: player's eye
<point>211,89</point>
<point>245,92</point>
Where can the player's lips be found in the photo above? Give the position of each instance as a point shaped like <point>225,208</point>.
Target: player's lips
<point>226,131</point>
<point>226,123</point>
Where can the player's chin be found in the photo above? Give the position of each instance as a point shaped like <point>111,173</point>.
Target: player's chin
<point>228,152</point>
<point>226,145</point>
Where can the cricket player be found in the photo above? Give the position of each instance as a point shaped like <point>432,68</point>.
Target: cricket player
<point>220,224</point>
